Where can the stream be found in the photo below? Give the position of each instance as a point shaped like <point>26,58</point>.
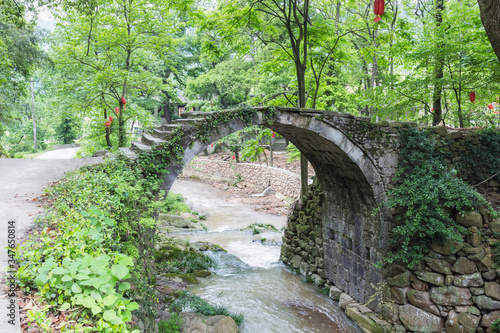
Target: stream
<point>249,278</point>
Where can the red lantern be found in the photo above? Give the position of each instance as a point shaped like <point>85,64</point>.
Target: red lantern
<point>212,145</point>
<point>107,124</point>
<point>117,110</point>
<point>472,96</point>
<point>233,157</point>
<point>110,118</point>
<point>490,106</point>
<point>274,135</point>
<point>496,111</point>
<point>124,101</point>
<point>378,9</point>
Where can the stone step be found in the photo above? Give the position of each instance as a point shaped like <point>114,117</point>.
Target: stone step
<point>197,114</point>
<point>151,140</point>
<point>161,134</point>
<point>138,147</point>
<point>128,152</point>
<point>190,121</point>
<point>169,127</point>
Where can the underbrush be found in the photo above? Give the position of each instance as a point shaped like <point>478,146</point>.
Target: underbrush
<point>192,303</point>
<point>85,254</point>
<point>258,228</point>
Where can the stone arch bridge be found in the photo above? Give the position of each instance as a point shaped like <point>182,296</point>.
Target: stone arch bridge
<point>354,161</point>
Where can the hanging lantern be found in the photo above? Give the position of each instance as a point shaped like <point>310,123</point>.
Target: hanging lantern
<point>378,9</point>
<point>490,106</point>
<point>107,123</point>
<point>234,157</point>
<point>472,96</point>
<point>211,145</point>
<point>274,135</point>
<point>496,111</point>
<point>123,100</point>
<point>117,110</point>
<point>110,118</point>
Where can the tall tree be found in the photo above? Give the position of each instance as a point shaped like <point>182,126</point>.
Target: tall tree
<point>490,16</point>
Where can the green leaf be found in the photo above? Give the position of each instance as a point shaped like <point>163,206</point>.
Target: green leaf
<point>124,286</point>
<point>96,295</point>
<point>76,288</point>
<point>81,277</point>
<point>132,306</point>
<point>58,271</point>
<point>84,213</point>
<point>88,302</point>
<point>109,300</point>
<point>125,260</point>
<point>96,309</point>
<point>109,222</point>
<point>66,278</point>
<point>41,279</point>
<point>65,307</point>
<point>119,271</point>
<point>109,315</point>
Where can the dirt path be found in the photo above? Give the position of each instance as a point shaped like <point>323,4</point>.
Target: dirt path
<point>21,182</point>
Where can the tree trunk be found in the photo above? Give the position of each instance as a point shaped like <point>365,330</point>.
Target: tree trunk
<point>33,115</point>
<point>437,115</point>
<point>166,108</point>
<point>490,16</point>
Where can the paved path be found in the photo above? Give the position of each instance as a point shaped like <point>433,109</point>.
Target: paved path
<point>66,153</point>
<point>22,180</point>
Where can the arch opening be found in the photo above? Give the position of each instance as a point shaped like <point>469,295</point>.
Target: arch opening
<point>353,238</point>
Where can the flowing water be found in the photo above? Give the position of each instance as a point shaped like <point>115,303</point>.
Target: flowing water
<point>250,279</point>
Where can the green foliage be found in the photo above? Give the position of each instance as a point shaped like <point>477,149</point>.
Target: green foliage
<point>67,130</point>
<point>197,305</point>
<point>427,186</point>
<point>484,157</point>
<point>80,255</point>
<point>174,260</point>
<point>174,204</point>
<point>258,228</point>
<point>293,153</point>
<point>173,325</point>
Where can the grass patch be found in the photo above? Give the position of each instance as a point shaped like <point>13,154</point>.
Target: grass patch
<point>258,228</point>
<point>187,301</point>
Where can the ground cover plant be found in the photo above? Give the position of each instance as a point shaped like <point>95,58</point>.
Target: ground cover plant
<point>84,255</point>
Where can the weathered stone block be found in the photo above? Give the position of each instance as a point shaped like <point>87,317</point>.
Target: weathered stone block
<point>439,265</point>
<point>421,299</point>
<point>489,318</point>
<point>432,278</point>
<point>486,303</point>
<point>345,300</point>
<point>447,249</point>
<point>418,320</point>
<point>470,280</point>
<point>335,293</point>
<point>492,289</point>
<point>400,280</point>
<point>398,295</point>
<point>451,295</point>
<point>295,262</point>
<point>464,266</point>
<point>469,218</point>
<point>365,321</point>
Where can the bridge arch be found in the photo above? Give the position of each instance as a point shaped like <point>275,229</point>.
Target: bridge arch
<point>353,173</point>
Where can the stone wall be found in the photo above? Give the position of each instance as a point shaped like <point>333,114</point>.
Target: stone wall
<point>259,176</point>
<point>469,155</point>
<point>455,289</point>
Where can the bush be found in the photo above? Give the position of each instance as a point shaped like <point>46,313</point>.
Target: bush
<point>173,325</point>
<point>427,186</point>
